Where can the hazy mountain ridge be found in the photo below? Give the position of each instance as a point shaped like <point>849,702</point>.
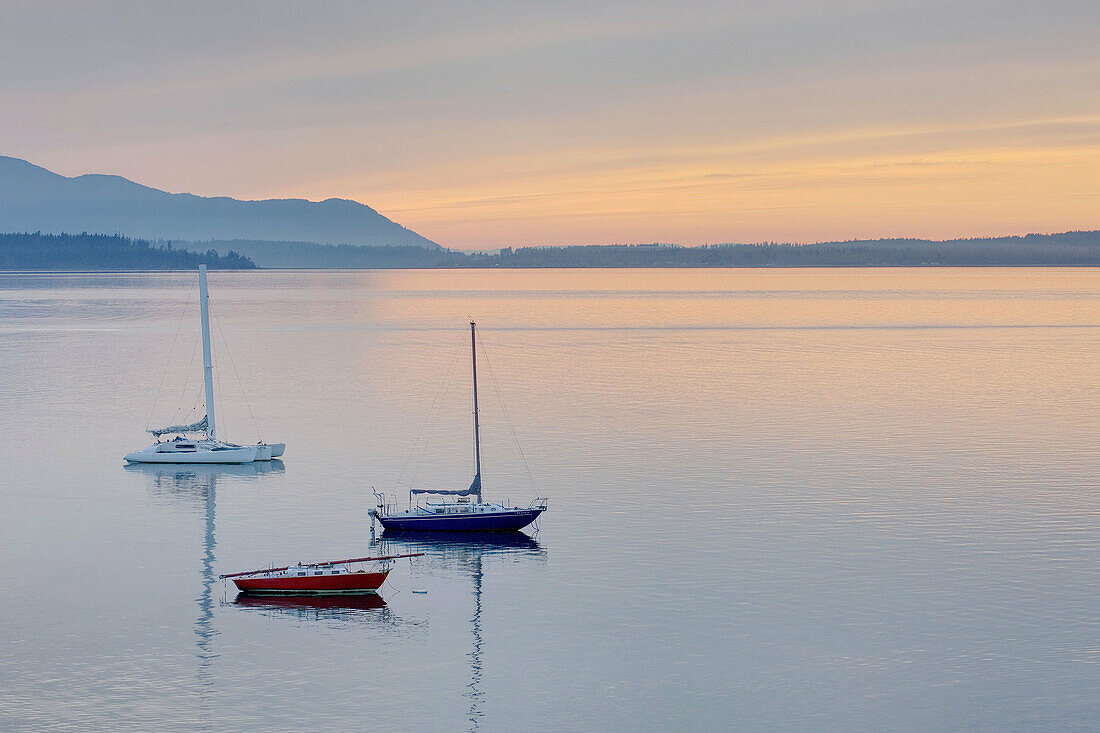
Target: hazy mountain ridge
<point>338,233</point>
<point>33,199</point>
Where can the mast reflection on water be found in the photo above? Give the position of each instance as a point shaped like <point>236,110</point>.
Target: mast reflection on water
<point>465,551</point>
<point>445,552</point>
<point>196,485</point>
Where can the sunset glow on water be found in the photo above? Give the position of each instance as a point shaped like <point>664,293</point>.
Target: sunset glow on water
<point>804,499</point>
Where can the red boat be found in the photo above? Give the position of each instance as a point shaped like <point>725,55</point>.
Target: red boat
<point>319,578</point>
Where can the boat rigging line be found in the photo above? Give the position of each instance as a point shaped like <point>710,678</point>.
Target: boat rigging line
<point>171,352</point>
<point>181,413</point>
<point>421,450</point>
<point>183,387</point>
<point>507,418</point>
<point>233,364</point>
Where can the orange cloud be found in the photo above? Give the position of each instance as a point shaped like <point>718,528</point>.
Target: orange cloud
<point>970,181</point>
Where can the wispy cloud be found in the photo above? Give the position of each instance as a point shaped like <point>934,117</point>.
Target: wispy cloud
<point>489,121</point>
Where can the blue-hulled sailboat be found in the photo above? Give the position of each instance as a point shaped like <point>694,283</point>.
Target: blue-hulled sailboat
<point>457,511</point>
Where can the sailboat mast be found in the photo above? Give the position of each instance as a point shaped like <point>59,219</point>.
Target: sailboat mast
<point>207,364</point>
<point>477,433</point>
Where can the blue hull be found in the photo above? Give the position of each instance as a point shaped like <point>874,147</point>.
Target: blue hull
<point>488,522</point>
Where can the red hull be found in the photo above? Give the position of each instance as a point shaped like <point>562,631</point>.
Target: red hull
<point>315,584</point>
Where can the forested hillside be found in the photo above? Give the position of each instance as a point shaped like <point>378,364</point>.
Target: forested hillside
<point>105,252</point>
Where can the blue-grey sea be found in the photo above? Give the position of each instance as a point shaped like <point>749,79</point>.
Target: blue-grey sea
<point>797,500</point>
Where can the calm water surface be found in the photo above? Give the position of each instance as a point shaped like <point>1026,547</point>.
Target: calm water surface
<point>779,500</point>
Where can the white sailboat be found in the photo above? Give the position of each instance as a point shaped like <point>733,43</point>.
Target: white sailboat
<point>206,448</point>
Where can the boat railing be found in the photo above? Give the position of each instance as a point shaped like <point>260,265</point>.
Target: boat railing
<point>539,503</point>
<point>385,506</point>
<point>305,567</point>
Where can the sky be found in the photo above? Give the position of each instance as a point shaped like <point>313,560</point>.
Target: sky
<point>487,124</point>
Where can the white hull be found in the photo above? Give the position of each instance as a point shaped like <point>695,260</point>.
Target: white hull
<point>206,453</point>
<point>157,453</point>
<point>267,451</point>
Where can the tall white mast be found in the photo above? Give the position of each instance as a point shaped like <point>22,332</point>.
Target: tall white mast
<point>477,433</point>
<point>207,365</point>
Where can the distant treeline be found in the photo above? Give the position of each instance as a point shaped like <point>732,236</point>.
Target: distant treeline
<point>309,255</point>
<point>105,252</point>
<point>1070,248</point>
<point>100,252</point>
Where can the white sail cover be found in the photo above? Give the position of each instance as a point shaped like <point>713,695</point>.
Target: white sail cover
<point>196,427</point>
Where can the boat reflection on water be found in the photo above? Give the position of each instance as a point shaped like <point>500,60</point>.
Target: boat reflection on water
<point>307,608</point>
<point>197,484</point>
<point>337,610</point>
<point>190,480</point>
<point>365,602</point>
<point>466,551</point>
<point>462,545</point>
